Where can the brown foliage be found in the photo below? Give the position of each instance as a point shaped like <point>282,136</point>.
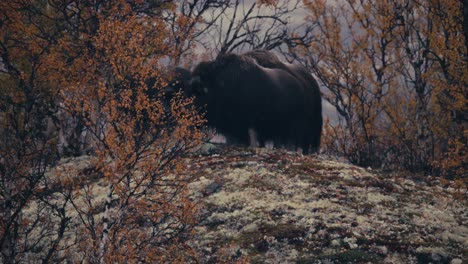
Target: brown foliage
<point>396,73</point>
<point>102,66</point>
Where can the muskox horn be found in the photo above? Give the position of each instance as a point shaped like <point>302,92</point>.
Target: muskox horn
<point>195,79</point>
<point>198,86</point>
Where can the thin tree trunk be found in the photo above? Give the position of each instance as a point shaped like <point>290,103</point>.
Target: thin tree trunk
<point>105,228</point>
<point>7,243</point>
<point>465,22</point>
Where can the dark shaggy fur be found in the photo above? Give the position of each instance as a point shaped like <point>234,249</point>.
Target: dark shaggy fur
<point>310,128</point>
<point>257,91</point>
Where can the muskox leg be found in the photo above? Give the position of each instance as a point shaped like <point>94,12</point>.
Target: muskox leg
<point>253,138</point>
<point>296,136</point>
<point>269,144</point>
<point>306,142</point>
<point>311,142</point>
<point>315,144</point>
<point>314,136</point>
<point>300,151</point>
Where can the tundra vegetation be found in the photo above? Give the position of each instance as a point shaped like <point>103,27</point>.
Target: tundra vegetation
<point>86,79</point>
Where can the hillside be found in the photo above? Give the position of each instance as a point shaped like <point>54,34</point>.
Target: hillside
<point>273,206</point>
<point>278,207</point>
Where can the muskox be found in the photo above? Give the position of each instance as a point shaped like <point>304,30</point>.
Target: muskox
<point>255,96</point>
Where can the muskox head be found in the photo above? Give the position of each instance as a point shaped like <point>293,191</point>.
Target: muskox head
<point>203,77</point>
<point>216,93</point>
<point>205,85</point>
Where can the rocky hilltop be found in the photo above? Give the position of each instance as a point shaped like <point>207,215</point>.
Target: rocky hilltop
<point>267,206</point>
<point>274,206</point>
